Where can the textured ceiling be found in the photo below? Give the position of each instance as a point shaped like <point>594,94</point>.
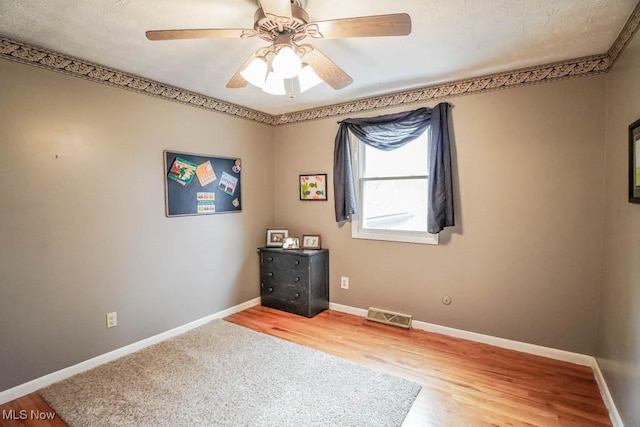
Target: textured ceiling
<point>451,40</point>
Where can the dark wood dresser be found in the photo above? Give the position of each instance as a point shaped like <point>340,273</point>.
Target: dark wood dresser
<point>296,281</point>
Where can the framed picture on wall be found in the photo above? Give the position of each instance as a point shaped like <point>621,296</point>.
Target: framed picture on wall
<point>634,162</point>
<point>313,187</point>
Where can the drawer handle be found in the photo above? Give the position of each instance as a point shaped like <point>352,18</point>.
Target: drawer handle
<point>297,295</point>
<point>297,262</point>
<point>297,279</point>
<point>270,274</point>
<point>270,290</point>
<point>270,258</point>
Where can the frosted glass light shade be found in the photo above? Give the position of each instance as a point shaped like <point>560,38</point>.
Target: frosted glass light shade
<point>307,78</point>
<point>286,63</point>
<point>274,84</point>
<point>255,73</point>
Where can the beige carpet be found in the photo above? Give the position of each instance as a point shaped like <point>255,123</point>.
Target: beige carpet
<point>221,374</point>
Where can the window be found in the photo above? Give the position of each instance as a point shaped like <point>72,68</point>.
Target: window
<point>391,192</point>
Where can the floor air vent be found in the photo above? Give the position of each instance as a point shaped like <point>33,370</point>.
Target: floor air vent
<point>389,317</point>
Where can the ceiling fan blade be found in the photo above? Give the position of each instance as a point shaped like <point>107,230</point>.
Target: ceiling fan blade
<point>325,68</point>
<point>281,8</point>
<point>237,81</point>
<point>397,24</point>
<point>195,34</point>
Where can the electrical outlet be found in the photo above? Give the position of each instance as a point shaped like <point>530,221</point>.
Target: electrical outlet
<point>344,282</point>
<point>112,319</point>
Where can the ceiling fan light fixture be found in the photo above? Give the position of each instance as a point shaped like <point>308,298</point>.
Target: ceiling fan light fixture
<point>274,85</point>
<point>256,72</point>
<point>307,78</point>
<point>286,63</point>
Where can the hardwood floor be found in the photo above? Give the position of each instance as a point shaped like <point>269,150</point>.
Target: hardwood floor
<point>463,383</point>
<point>29,411</point>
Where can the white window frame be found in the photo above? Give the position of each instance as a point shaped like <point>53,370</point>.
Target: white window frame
<point>358,231</point>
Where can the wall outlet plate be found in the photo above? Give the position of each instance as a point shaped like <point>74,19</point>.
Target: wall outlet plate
<point>112,319</point>
<point>344,282</point>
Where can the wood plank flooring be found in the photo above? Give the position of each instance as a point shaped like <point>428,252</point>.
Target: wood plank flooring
<point>463,383</point>
<point>29,411</point>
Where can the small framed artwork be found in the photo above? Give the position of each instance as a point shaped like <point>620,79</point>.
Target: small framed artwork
<point>310,241</point>
<point>313,187</point>
<point>291,243</point>
<point>634,162</point>
<point>275,238</point>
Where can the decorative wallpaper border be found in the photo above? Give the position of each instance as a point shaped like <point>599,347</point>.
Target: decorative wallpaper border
<point>625,36</point>
<point>21,52</point>
<point>563,70</point>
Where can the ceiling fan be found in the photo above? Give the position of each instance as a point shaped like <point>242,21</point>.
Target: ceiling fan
<point>285,24</point>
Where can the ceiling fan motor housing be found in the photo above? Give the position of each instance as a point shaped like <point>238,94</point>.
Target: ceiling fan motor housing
<point>267,25</point>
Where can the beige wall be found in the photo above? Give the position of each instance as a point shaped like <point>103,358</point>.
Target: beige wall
<point>619,325</point>
<point>524,261</point>
<point>86,233</point>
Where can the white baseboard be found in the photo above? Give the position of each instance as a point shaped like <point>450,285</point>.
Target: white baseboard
<point>348,309</point>
<point>616,420</point>
<point>552,353</point>
<point>38,383</point>
<point>567,356</point>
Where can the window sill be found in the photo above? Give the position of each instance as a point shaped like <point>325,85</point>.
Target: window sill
<point>394,236</point>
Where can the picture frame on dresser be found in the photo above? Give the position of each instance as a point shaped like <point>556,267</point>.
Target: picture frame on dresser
<point>310,241</point>
<point>291,243</point>
<point>634,162</point>
<point>276,237</point>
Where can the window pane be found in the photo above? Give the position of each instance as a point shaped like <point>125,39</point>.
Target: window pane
<point>395,204</point>
<point>409,160</point>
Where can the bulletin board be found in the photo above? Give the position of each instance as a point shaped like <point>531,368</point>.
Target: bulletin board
<point>198,184</point>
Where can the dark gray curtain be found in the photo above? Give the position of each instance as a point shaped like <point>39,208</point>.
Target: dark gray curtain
<point>387,133</point>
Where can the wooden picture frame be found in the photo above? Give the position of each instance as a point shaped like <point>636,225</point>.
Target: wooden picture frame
<point>634,162</point>
<point>276,237</point>
<point>311,241</point>
<point>313,187</point>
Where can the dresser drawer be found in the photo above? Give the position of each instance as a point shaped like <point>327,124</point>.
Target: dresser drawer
<point>288,292</point>
<point>274,275</point>
<point>291,298</point>
<point>285,261</point>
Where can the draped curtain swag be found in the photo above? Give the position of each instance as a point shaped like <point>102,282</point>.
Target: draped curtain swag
<point>389,132</point>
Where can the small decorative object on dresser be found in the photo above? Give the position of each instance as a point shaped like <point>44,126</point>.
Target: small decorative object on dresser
<point>634,162</point>
<point>295,281</point>
<point>275,238</point>
<point>310,241</point>
<point>291,243</point>
<point>313,187</point>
